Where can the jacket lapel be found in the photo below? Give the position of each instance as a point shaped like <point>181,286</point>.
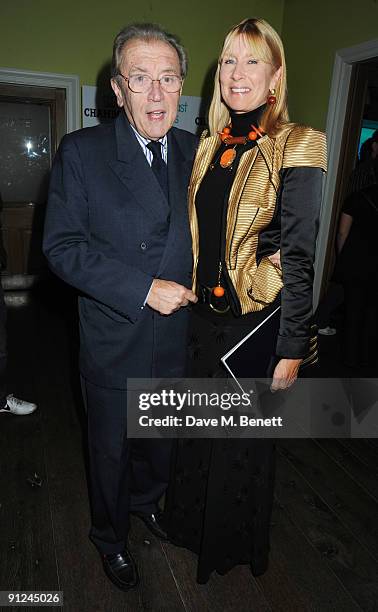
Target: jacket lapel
<point>246,163</point>
<point>179,168</point>
<point>265,147</point>
<point>133,169</point>
<point>205,154</point>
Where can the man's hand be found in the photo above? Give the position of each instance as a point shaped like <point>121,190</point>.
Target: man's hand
<point>285,373</point>
<point>167,296</point>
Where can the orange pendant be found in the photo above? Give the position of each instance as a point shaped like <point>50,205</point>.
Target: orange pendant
<point>218,291</point>
<point>227,158</point>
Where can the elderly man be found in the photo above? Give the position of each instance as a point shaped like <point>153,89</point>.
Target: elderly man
<point>117,230</point>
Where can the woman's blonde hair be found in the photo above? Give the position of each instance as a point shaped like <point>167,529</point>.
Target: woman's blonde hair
<point>266,46</point>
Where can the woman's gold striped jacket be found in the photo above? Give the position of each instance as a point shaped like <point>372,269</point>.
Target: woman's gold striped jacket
<point>274,201</point>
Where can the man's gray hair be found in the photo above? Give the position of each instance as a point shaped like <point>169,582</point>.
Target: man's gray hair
<point>146,32</point>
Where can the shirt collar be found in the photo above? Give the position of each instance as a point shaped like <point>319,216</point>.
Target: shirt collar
<point>163,141</point>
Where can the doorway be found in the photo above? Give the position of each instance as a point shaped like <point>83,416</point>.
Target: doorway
<point>35,112</point>
<point>351,88</point>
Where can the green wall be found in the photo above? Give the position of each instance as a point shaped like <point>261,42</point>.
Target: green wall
<point>76,36</point>
<point>312,33</point>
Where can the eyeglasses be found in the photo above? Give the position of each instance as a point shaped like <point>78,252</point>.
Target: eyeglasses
<point>141,83</point>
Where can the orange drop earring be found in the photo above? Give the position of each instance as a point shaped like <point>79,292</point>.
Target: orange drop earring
<point>272,97</point>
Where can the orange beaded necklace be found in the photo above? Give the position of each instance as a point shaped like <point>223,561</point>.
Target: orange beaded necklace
<point>228,156</point>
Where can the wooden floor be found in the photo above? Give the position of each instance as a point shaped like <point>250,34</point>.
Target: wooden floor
<point>325,524</point>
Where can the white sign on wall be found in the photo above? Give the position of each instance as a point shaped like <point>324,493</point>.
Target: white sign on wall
<point>97,108</point>
<point>188,116</point>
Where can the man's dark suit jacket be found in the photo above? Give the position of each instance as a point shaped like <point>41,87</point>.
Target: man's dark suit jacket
<point>106,233</point>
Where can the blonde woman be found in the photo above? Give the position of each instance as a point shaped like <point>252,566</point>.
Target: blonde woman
<point>254,201</point>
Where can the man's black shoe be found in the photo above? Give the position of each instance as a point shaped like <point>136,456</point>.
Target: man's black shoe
<point>153,523</point>
<point>121,569</point>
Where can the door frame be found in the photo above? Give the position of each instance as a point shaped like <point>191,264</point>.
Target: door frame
<point>69,82</point>
<point>337,108</point>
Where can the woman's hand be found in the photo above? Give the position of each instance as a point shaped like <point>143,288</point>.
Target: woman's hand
<point>276,259</point>
<point>285,373</point>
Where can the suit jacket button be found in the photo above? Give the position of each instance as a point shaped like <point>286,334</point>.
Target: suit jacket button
<point>143,246</point>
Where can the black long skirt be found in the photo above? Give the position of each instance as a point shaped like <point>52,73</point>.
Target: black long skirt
<point>219,500</point>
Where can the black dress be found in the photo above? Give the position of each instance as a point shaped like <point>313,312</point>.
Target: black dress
<point>219,500</point>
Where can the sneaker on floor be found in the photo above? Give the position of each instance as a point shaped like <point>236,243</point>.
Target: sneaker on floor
<point>18,406</point>
<point>327,331</point>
